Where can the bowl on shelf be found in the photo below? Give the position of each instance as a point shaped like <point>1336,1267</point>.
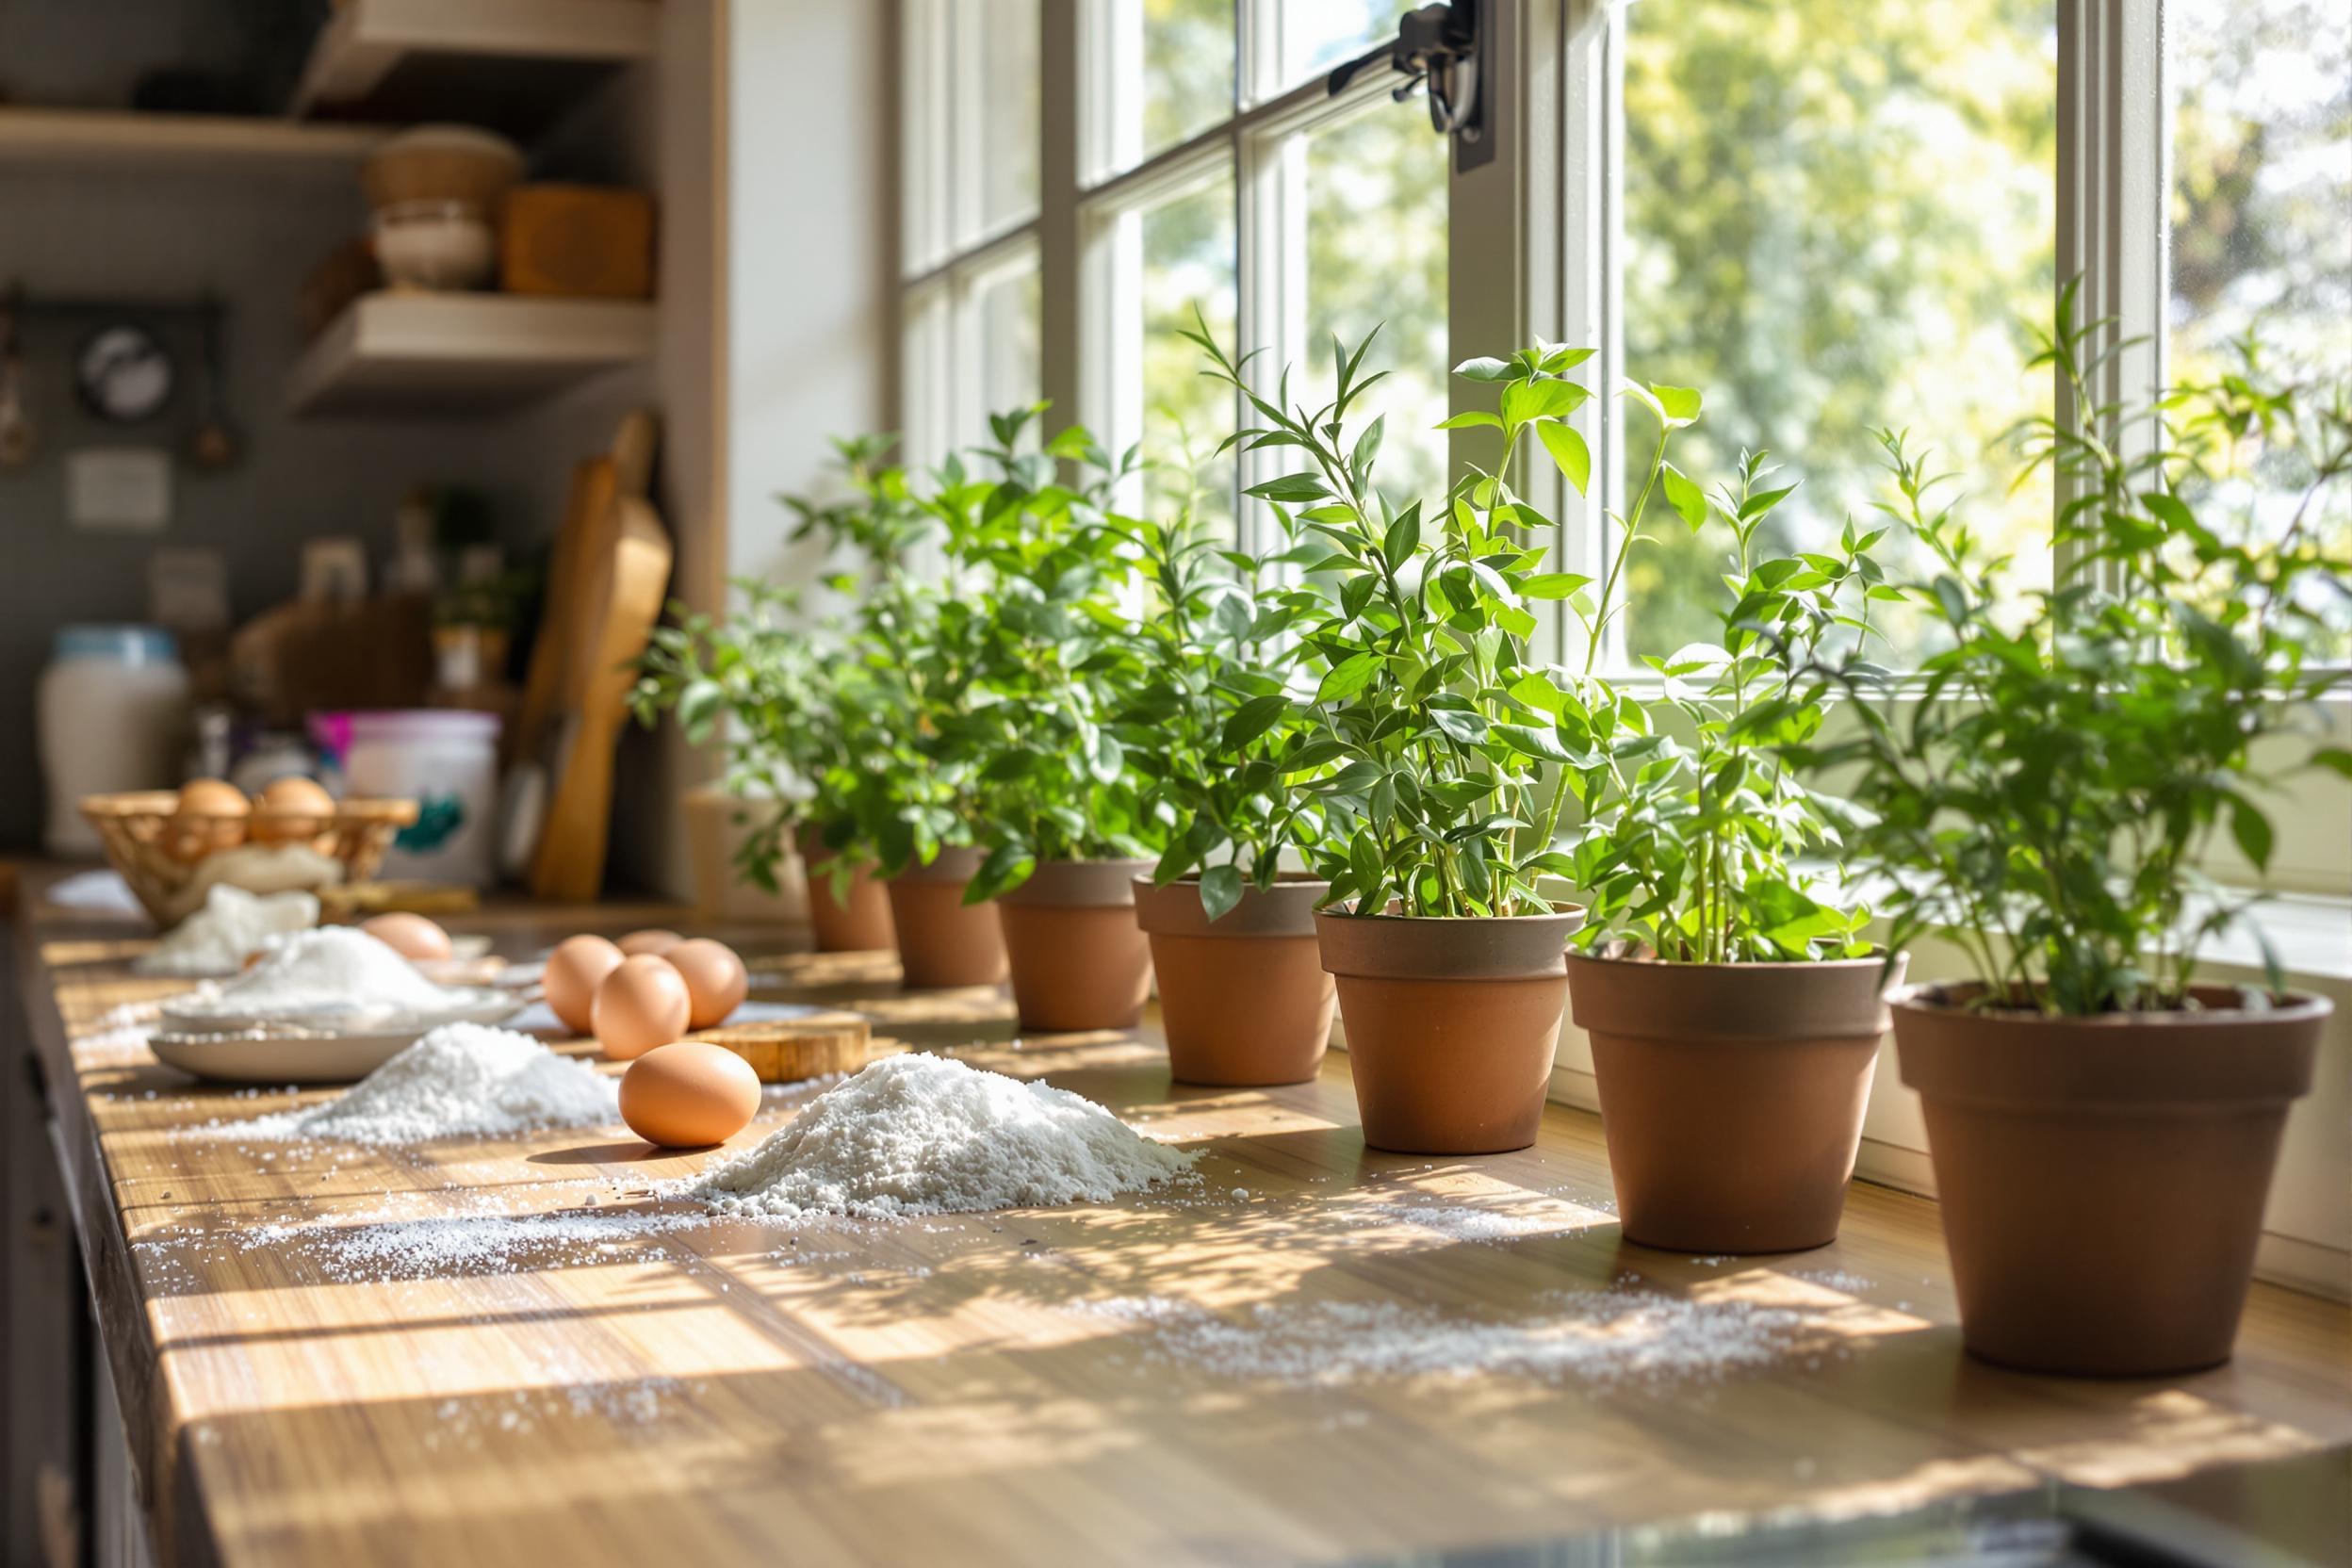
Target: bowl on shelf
<point>147,839</point>
<point>442,163</point>
<point>440,246</point>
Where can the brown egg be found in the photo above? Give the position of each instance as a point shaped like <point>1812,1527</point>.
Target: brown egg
<point>640,1005</point>
<point>211,816</point>
<point>715,981</point>
<point>655,940</point>
<point>293,810</point>
<point>574,970</point>
<point>692,1093</point>
<point>413,937</point>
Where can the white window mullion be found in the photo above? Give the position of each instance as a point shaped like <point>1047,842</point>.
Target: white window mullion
<point>1269,307</point>
<point>1061,240</point>
<point>2113,185</point>
<point>1591,240</point>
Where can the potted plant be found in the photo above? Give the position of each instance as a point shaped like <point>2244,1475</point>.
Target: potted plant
<point>1735,1018</point>
<point>1064,814</point>
<point>1244,996</point>
<point>909,785</point>
<point>800,714</point>
<point>2101,1122</point>
<point>1432,715</point>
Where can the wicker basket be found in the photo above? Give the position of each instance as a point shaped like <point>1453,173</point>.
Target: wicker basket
<point>133,827</point>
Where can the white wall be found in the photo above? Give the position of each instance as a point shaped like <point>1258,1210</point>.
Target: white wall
<point>812,256</point>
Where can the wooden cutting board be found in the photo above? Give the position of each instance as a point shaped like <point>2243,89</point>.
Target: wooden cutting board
<point>786,1051</point>
<point>629,573</point>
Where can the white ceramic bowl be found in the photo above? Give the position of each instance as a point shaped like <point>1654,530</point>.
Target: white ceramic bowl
<point>435,245</point>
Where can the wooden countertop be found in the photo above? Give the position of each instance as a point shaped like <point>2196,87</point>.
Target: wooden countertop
<point>952,1389</point>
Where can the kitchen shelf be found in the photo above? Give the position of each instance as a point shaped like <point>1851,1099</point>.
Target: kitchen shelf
<point>142,141</point>
<point>513,66</point>
<point>460,355</point>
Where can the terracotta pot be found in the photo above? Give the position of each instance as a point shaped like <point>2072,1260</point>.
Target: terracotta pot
<point>2102,1179</point>
<point>1078,959</point>
<point>1452,1025</point>
<point>856,921</point>
<point>1731,1094</point>
<point>1244,999</point>
<point>942,941</point>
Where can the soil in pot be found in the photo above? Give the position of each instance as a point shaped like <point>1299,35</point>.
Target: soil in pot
<point>1452,1025</point>
<point>1731,1094</point>
<point>1244,999</point>
<point>857,919</point>
<point>2102,1179</point>
<point>1077,958</point>
<point>944,941</point>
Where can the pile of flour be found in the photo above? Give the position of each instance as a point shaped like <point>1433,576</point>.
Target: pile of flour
<point>925,1134</point>
<point>234,923</point>
<point>461,1079</point>
<point>333,970</point>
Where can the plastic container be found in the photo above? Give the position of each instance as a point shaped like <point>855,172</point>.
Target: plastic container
<point>113,705</point>
<point>447,760</point>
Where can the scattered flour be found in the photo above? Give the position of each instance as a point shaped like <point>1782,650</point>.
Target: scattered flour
<point>1588,1336</point>
<point>926,1134</point>
<point>217,939</point>
<point>1833,1279</point>
<point>1470,1223</point>
<point>460,1079</point>
<point>439,1247</point>
<point>333,970</point>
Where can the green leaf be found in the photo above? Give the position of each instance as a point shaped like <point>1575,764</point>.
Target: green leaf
<point>1485,370</point>
<point>2335,760</point>
<point>1569,452</point>
<point>1108,758</point>
<point>1474,419</point>
<point>1524,401</point>
<point>1220,890</point>
<point>2251,829</point>
<point>1403,538</point>
<point>1528,740</point>
<point>1463,725</point>
<point>1552,585</point>
<point>1683,494</point>
<point>1252,719</point>
<point>1348,678</point>
<point>1681,403</point>
<point>1290,487</point>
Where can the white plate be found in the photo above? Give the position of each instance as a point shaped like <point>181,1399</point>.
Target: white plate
<point>278,1054</point>
<point>467,1005</point>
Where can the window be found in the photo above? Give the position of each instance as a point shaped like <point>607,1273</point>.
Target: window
<point>2260,210</point>
<point>1837,217</point>
<point>1833,216</point>
<point>1213,172</point>
<point>969,189</point>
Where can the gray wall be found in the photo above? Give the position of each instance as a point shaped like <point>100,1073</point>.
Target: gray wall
<point>252,240</point>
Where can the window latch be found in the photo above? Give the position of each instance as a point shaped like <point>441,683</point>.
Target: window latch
<point>1439,49</point>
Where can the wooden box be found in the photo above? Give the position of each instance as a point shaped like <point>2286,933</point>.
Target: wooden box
<point>576,241</point>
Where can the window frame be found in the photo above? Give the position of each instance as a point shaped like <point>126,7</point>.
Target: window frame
<point>1553,195</point>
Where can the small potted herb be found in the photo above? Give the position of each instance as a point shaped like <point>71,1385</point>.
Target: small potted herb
<point>1244,997</point>
<point>1432,712</point>
<point>1735,1019</point>
<point>911,791</point>
<point>2103,1123</point>
<point>791,714</point>
<point>1065,815</point>
<point>802,715</point>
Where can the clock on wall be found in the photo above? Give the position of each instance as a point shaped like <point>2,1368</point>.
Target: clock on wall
<point>124,374</point>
